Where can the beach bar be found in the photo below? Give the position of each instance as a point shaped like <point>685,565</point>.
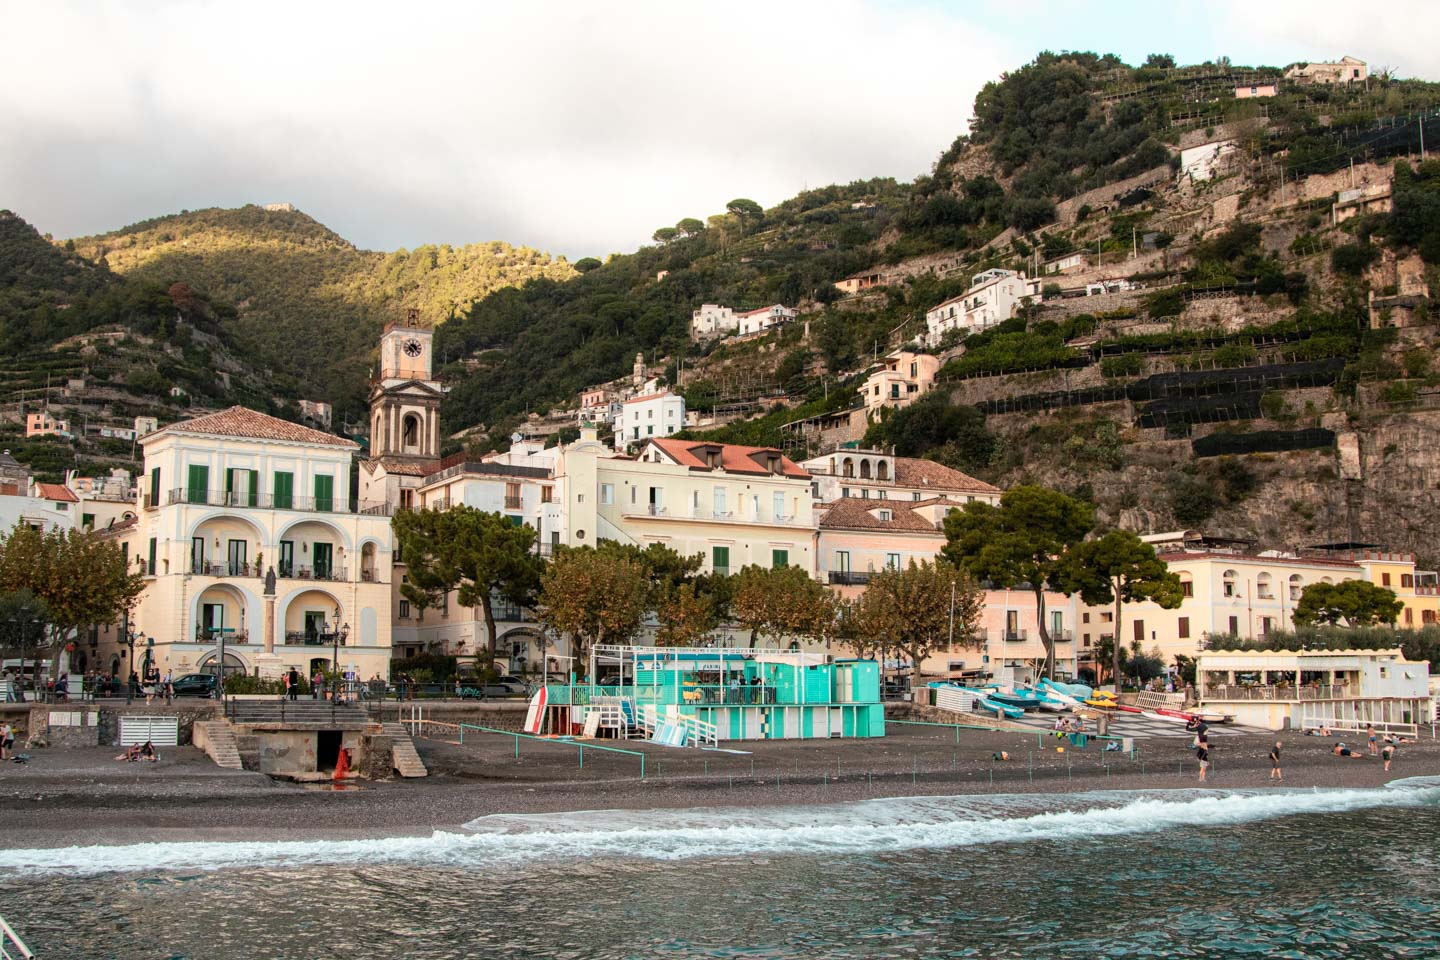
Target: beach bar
<point>720,693</point>
<point>1308,689</point>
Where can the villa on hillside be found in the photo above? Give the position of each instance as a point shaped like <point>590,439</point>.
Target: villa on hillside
<point>1345,70</point>
<point>994,297</point>
<point>899,380</point>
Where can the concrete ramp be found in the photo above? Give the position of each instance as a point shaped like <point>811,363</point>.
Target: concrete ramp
<point>406,759</point>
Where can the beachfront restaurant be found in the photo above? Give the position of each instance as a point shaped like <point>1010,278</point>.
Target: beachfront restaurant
<point>1307,689</point>
<point>725,693</point>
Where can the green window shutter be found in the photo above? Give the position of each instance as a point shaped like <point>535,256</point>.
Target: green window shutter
<point>155,487</point>
<point>229,483</point>
<point>779,558</point>
<point>720,559</point>
<point>514,520</point>
<point>87,519</point>
<point>197,487</point>
<point>254,488</point>
<point>324,493</point>
<point>284,491</point>
<point>154,544</point>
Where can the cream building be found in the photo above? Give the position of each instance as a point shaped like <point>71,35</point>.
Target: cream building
<point>899,380</point>
<point>1345,70</point>
<point>230,499</point>
<point>877,475</point>
<point>733,505</point>
<point>404,417</point>
<point>649,416</point>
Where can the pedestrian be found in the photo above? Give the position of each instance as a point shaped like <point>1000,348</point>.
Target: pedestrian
<point>1275,773</point>
<point>1388,753</point>
<point>316,682</point>
<point>1202,753</point>
<point>167,684</point>
<point>4,737</point>
<point>292,684</point>
<point>1373,739</point>
<point>134,684</point>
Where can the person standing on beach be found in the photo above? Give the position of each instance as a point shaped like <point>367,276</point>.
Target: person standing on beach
<point>1373,740</point>
<point>1275,773</point>
<point>4,737</point>
<point>1202,753</point>
<point>1388,753</point>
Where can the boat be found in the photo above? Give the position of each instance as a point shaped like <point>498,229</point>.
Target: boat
<point>1167,715</point>
<point>1053,691</point>
<point>983,700</point>
<point>1015,699</point>
<point>1048,701</point>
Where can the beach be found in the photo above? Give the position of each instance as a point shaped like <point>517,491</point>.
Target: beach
<point>84,796</point>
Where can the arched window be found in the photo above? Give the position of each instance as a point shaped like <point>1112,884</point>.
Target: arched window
<point>410,432</point>
<point>1227,583</point>
<point>864,469</point>
<point>847,468</point>
<point>882,471</point>
<point>1297,586</point>
<point>1262,587</point>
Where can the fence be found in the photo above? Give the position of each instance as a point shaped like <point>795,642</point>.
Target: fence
<point>579,746</point>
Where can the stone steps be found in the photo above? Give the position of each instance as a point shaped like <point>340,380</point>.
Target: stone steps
<point>406,759</point>
<point>219,742</point>
<point>310,713</point>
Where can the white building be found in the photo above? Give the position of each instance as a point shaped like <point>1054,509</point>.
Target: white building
<point>649,416</point>
<point>1345,70</point>
<point>754,321</point>
<point>712,320</point>
<point>994,297</point>
<point>1202,162</point>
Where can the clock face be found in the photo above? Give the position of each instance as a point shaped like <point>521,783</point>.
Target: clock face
<point>413,348</point>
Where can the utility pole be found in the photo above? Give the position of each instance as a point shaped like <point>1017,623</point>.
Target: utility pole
<point>1422,136</point>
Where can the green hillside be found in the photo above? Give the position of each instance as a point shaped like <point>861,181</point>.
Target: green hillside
<point>308,304</point>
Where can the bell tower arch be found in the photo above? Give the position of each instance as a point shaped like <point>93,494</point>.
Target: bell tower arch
<point>405,396</point>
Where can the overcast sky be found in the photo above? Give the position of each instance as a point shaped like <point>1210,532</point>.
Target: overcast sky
<point>573,127</point>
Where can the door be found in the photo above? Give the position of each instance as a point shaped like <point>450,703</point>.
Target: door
<point>236,556</point>
<point>287,558</point>
<point>657,501</point>
<point>314,625</point>
<point>1012,625</point>
<point>197,555</point>
<point>324,493</point>
<point>1139,626</point>
<point>241,487</point>
<point>197,484</point>
<point>322,561</point>
<point>212,616</point>
<point>284,490</point>
<point>1057,624</point>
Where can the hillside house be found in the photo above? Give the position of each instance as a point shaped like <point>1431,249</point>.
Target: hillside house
<point>994,297</point>
<point>1202,162</point>
<point>861,281</point>
<point>877,475</point>
<point>899,380</point>
<point>649,416</point>
<point>754,321</point>
<point>1253,90</point>
<point>1346,70</point>
<point>712,320</point>
<point>42,424</point>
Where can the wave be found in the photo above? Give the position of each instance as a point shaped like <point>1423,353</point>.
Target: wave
<point>874,826</point>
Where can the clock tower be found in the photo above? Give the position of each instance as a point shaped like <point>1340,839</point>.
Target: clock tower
<point>404,397</point>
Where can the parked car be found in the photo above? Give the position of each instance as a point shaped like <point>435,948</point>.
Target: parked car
<point>499,687</point>
<point>195,685</point>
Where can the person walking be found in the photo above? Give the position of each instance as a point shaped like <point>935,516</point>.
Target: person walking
<point>167,685</point>
<point>316,683</point>
<point>1275,773</point>
<point>1202,753</point>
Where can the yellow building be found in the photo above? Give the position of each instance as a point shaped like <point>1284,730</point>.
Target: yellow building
<point>228,501</point>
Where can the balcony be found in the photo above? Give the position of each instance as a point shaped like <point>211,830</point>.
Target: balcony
<point>849,578</point>
<point>1015,636</point>
<point>1277,692</point>
<point>512,503</point>
<point>226,569</point>
<point>211,635</point>
<point>261,501</point>
<point>329,574</point>
<point>1062,636</point>
<point>306,639</point>
<point>644,511</point>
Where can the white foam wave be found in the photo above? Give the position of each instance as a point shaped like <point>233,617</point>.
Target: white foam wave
<point>872,826</point>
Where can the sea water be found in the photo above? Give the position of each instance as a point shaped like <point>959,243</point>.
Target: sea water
<point>1303,874</point>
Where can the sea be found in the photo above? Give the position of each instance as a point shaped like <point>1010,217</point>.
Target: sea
<point>1311,874</point>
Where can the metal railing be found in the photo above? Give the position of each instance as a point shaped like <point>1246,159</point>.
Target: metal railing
<point>292,572</point>
<point>226,569</point>
<point>211,635</point>
<point>551,742</point>
<point>265,501</point>
<point>11,946</point>
<point>718,516</point>
<point>305,638</point>
<point>1275,692</point>
<point>512,503</point>
<point>849,578</point>
<point>1016,636</point>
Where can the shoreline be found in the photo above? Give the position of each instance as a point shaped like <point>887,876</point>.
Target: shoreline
<point>65,798</point>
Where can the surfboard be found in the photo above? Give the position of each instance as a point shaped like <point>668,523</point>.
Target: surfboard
<point>535,714</point>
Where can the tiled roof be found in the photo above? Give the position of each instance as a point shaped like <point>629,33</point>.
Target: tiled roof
<point>733,457</point>
<point>409,468</point>
<point>1179,555</point>
<point>650,396</point>
<point>852,513</point>
<point>56,491</point>
<point>755,313</point>
<point>911,472</point>
<point>116,529</point>
<point>253,425</point>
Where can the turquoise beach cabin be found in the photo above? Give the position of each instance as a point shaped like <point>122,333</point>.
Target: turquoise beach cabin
<point>713,694</point>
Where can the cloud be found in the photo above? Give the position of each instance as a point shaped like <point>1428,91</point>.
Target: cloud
<point>1402,34</point>
<point>576,127</point>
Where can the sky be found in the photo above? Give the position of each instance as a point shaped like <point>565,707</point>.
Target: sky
<point>573,127</point>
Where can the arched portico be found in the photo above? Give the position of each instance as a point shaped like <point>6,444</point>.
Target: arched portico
<point>306,616</point>
<point>227,608</point>
<point>225,545</point>
<point>311,548</point>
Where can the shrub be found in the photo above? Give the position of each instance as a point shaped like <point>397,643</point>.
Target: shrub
<point>1166,303</point>
<point>1125,365</point>
<point>1353,258</point>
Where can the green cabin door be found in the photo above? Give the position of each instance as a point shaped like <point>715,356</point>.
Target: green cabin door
<point>197,484</point>
<point>323,559</point>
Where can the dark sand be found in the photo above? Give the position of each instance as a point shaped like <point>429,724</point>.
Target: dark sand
<point>81,797</point>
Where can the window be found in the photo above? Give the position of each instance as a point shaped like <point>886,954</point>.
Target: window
<point>650,431</point>
<point>864,494</point>
<point>1265,624</point>
<point>155,487</point>
<point>1085,617</point>
<point>650,414</point>
<point>1235,625</point>
<point>1296,587</point>
<point>547,494</point>
<point>1262,587</point>
<point>1187,588</point>
<point>777,505</point>
<point>1407,581</point>
<point>1384,579</point>
<point>720,560</point>
<point>154,546</point>
<point>779,558</point>
<point>844,491</point>
<point>404,609</point>
<point>892,561</point>
<point>1085,639</point>
<point>886,515</point>
<point>1182,628</point>
<point>1107,617</point>
<point>719,501</point>
<point>1409,616</point>
<point>915,496</point>
<point>842,561</point>
<point>197,483</point>
<point>1228,585</point>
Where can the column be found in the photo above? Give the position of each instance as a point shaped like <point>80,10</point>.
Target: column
<point>270,624</point>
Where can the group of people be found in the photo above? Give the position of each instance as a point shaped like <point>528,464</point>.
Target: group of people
<point>136,752</point>
<point>1069,725</point>
<point>1376,746</point>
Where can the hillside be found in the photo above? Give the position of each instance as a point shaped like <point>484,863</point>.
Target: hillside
<point>308,304</point>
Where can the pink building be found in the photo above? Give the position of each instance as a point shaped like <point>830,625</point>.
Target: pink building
<point>1246,92</point>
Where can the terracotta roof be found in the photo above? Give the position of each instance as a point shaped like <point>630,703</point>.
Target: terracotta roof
<point>116,529</point>
<point>56,491</point>
<point>409,468</point>
<point>253,425</point>
<point>733,457</point>
<point>911,472</point>
<point>752,313</point>
<point>852,513</point>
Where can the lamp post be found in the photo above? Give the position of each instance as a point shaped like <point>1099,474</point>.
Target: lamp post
<point>338,635</point>
<point>21,623</point>
<point>130,637</point>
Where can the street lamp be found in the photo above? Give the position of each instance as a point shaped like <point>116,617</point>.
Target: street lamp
<point>130,637</point>
<point>338,635</point>
<point>20,624</point>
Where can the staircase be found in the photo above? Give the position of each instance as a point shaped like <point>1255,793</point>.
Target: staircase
<point>406,760</point>
<point>218,739</point>
<point>307,714</point>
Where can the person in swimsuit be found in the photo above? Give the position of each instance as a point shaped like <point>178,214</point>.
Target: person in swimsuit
<point>1374,740</point>
<point>1275,773</point>
<point>1202,753</point>
<point>1387,752</point>
<point>1340,750</point>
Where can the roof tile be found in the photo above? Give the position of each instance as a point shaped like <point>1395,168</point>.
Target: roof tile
<point>252,425</point>
<point>733,457</point>
<point>56,491</point>
<point>852,513</point>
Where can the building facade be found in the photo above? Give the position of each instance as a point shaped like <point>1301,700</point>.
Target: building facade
<point>648,417</point>
<point>899,380</point>
<point>994,297</point>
